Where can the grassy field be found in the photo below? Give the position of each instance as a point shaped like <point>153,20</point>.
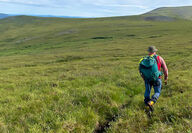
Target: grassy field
<point>75,75</point>
<point>174,12</point>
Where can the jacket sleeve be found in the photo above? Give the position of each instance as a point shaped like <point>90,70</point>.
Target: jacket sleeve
<point>164,67</point>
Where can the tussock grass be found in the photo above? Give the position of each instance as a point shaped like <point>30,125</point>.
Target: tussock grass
<point>56,80</point>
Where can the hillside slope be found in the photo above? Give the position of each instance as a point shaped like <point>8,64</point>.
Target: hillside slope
<point>76,75</point>
<point>173,12</point>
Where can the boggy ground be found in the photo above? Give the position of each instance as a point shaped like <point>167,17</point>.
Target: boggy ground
<point>73,75</point>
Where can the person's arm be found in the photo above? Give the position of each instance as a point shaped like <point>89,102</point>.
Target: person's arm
<point>165,69</point>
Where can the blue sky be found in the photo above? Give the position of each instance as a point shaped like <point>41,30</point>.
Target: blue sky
<point>85,8</point>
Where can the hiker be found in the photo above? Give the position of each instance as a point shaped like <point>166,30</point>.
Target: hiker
<point>150,70</point>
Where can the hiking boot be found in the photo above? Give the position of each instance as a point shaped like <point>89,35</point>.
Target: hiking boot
<point>146,100</point>
<point>150,104</point>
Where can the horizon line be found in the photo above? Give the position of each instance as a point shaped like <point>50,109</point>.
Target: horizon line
<point>66,16</point>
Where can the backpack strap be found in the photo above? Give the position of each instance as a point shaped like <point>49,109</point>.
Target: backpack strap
<point>156,57</point>
<point>158,62</point>
<point>141,60</point>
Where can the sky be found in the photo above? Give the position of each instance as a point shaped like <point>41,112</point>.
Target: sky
<point>86,8</point>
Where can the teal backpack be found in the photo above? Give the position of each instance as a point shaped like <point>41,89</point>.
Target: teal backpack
<point>149,69</point>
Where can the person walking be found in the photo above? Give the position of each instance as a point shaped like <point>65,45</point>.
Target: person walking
<point>151,68</point>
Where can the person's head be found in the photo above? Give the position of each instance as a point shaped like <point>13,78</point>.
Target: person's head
<point>152,49</point>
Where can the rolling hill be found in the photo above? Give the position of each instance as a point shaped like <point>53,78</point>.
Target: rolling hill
<point>81,75</point>
<point>172,13</point>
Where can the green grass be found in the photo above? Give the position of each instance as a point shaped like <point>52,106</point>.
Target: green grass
<point>175,12</point>
<point>71,75</point>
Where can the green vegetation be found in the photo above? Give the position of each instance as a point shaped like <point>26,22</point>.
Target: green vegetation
<point>74,75</point>
<point>174,12</point>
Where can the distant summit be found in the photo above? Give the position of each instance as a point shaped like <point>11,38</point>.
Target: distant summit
<point>170,13</point>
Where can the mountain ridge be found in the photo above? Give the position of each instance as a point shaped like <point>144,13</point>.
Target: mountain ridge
<point>3,15</point>
<point>182,12</point>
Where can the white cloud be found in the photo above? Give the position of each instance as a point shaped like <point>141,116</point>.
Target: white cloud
<point>123,5</point>
<point>110,3</point>
<point>40,3</point>
<point>20,1</point>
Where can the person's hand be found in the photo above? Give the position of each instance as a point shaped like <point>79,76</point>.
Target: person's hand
<point>165,81</point>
